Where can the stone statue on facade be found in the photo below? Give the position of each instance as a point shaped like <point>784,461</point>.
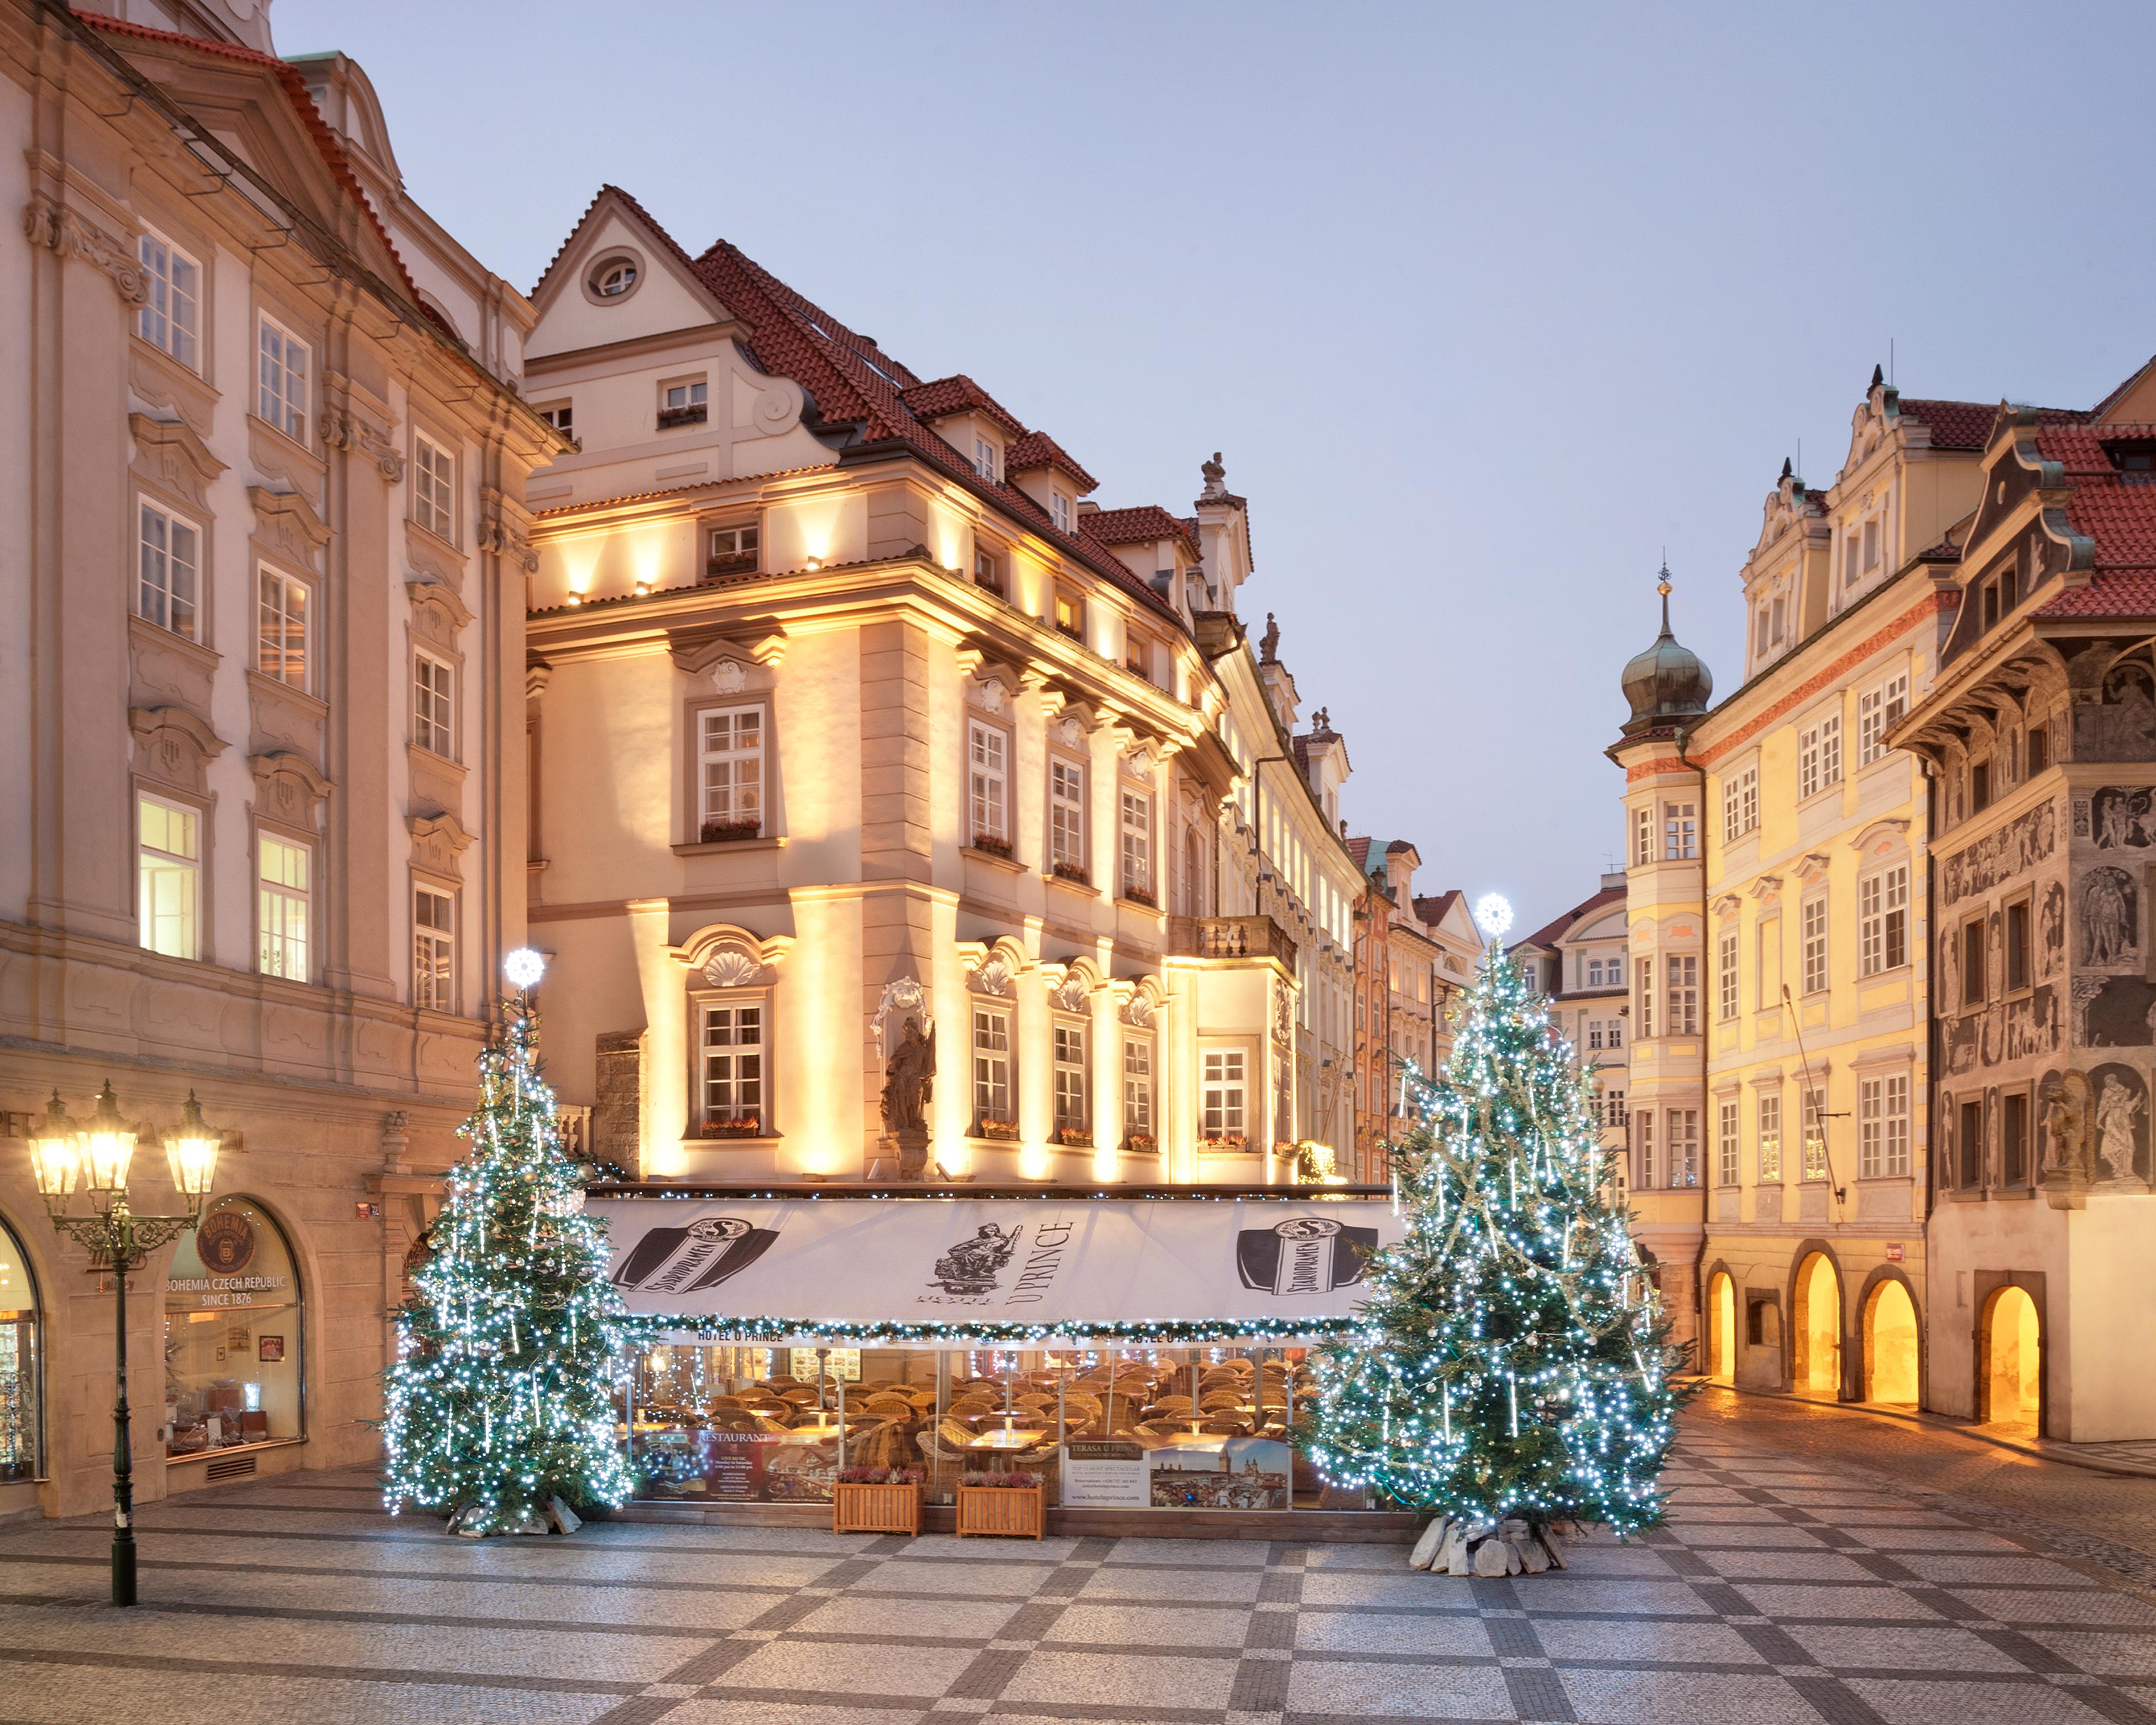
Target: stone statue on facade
<point>1269,642</point>
<point>1216,479</point>
<point>909,1081</point>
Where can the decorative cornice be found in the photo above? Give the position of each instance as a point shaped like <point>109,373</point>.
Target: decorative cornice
<point>147,721</point>
<point>72,234</point>
<point>288,516</point>
<point>184,459</point>
<point>504,528</point>
<point>447,828</point>
<point>285,764</point>
<point>427,590</point>
<point>343,430</point>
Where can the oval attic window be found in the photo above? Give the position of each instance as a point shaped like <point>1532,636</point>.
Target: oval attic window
<point>613,278</point>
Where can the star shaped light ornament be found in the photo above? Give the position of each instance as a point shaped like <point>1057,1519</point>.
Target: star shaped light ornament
<point>523,967</point>
<point>1493,914</point>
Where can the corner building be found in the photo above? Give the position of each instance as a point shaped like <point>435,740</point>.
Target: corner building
<point>856,727</point>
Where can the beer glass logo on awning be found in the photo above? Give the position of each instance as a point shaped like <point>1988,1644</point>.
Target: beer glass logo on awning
<point>677,1260</point>
<point>1304,1254</point>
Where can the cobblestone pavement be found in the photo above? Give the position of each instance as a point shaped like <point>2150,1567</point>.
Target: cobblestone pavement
<point>1786,1588</point>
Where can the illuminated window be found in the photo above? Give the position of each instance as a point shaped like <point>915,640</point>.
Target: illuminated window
<point>1138,1087</point>
<point>433,487</point>
<point>169,552</point>
<point>281,907</point>
<point>169,874</point>
<point>22,1368</point>
<point>992,1072</point>
<point>434,949</point>
<point>1221,1096</point>
<point>234,1334</point>
<point>1137,846</point>
<point>433,705</point>
<point>988,783</point>
<point>281,376</point>
<point>1815,1132</point>
<point>732,551</point>
<point>729,773</point>
<point>280,634</point>
<point>1066,818</point>
<point>1071,616</point>
<point>1684,1146</point>
<point>1071,1079</point>
<point>173,282</point>
<point>733,1065</point>
<point>1770,1137</point>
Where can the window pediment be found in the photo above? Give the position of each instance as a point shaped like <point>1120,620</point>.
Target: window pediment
<point>437,608</point>
<point>287,522</point>
<point>175,745</point>
<point>175,457</point>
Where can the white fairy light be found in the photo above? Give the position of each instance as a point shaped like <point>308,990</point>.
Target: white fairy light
<point>523,966</point>
<point>1493,914</point>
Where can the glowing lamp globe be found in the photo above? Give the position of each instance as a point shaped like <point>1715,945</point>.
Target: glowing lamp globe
<point>54,1162</point>
<point>1493,914</point>
<point>191,1150</point>
<point>105,1146</point>
<point>523,967</point>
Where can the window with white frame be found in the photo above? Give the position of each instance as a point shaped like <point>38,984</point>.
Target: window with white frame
<point>992,1070</point>
<point>1849,569</point>
<point>1137,1088</point>
<point>1682,1007</point>
<point>1725,1144</point>
<point>1642,1127</point>
<point>1058,509</point>
<point>733,1065</point>
<point>729,773</point>
<point>562,416</point>
<point>280,626</point>
<point>1680,832</point>
<point>168,876</point>
<point>1643,836</point>
<point>281,902</point>
<point>1740,803</point>
<point>984,459</point>
<point>433,487</point>
<point>1815,946</point>
<point>1818,757</point>
<point>1871,544</point>
<point>284,363</point>
<point>1683,1157</point>
<point>1883,920</point>
<point>733,550</point>
<point>1725,967</point>
<point>1137,846</point>
<point>987,572</point>
<point>171,314</point>
<point>1066,817</point>
<point>433,948</point>
<point>1646,969</point>
<point>169,555</point>
<point>1770,1136</point>
<point>1220,1096</point>
<point>1882,1124</point>
<point>1813,1115</point>
<point>1876,711</point>
<point>433,705</point>
<point>684,403</point>
<point>1070,1081</point>
<point>1613,1107</point>
<point>988,783</point>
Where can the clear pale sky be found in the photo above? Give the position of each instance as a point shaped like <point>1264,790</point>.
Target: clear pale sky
<point>1485,306</point>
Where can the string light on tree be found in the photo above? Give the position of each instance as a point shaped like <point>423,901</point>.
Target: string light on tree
<point>501,1396</point>
<point>1511,1359</point>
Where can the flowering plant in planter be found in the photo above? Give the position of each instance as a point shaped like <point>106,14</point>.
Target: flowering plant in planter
<point>1013,1503</point>
<point>1223,1140</point>
<point>879,1476</point>
<point>993,846</point>
<point>1142,896</point>
<point>747,1125</point>
<point>1003,1132</point>
<point>1015,1479</point>
<point>1079,1136</point>
<point>725,832</point>
<point>876,1500</point>
<point>1074,872</point>
<point>1140,1143</point>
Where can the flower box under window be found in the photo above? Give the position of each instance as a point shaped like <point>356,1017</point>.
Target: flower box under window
<point>1223,1140</point>
<point>993,846</point>
<point>1075,1137</point>
<point>1075,873</point>
<point>1142,896</point>
<point>1140,1143</point>
<point>732,562</point>
<point>1001,1131</point>
<point>726,832</point>
<point>746,1125</point>
<point>669,418</point>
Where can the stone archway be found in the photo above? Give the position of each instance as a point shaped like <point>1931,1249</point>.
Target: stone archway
<point>1815,1328</point>
<point>1890,1348</point>
<point>2010,1386</point>
<point>1721,1327</point>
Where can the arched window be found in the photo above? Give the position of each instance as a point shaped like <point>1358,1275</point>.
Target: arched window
<point>22,1410</point>
<point>232,1334</point>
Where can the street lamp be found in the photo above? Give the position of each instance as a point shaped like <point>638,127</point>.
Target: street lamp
<point>95,1155</point>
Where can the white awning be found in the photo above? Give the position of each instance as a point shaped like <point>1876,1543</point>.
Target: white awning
<point>997,1268</point>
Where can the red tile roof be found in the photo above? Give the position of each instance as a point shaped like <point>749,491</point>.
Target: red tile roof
<point>1359,850</point>
<point>958,394</point>
<point>1550,933</point>
<point>1037,449</point>
<point>294,86</point>
<point>2116,511</point>
<point>1434,909</point>
<point>1954,425</point>
<point>1140,526</point>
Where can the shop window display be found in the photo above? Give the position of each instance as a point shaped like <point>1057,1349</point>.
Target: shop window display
<point>19,1365</point>
<point>1168,1427</point>
<point>232,1334</point>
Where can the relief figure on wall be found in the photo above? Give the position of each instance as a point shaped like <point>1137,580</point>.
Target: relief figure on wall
<point>2052,931</point>
<point>2121,817</point>
<point>1997,857</point>
<point>2128,714</point>
<point>2110,918</point>
<point>2117,1011</point>
<point>2032,1024</point>
<point>2121,1123</point>
<point>2066,1099</point>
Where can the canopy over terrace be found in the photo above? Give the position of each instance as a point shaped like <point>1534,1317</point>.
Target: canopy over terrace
<point>960,1265</point>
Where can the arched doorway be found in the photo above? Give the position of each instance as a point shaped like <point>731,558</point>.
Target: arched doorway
<point>1890,1345</point>
<point>233,1329</point>
<point>1816,1367</point>
<point>1721,1327</point>
<point>2013,1360</point>
<point>22,1365</point>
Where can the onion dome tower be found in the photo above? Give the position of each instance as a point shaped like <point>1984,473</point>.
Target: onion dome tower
<point>1668,684</point>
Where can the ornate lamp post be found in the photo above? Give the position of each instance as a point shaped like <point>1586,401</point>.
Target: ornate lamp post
<point>95,1156</point>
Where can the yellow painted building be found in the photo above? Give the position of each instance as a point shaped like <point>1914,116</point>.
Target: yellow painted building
<point>1778,902</point>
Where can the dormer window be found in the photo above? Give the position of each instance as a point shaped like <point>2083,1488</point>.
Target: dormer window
<point>683,403</point>
<point>1071,616</point>
<point>1059,510</point>
<point>984,459</point>
<point>1759,644</point>
<point>1871,544</point>
<point>987,572</point>
<point>732,551</point>
<point>1775,635</point>
<point>613,278</point>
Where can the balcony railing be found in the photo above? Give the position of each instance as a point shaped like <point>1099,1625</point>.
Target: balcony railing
<point>1230,937</point>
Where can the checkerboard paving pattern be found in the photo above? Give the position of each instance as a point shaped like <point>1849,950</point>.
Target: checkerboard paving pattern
<point>1782,1589</point>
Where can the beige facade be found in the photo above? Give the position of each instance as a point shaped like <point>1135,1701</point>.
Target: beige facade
<point>855,723</point>
<point>264,540</point>
<point>1578,962</point>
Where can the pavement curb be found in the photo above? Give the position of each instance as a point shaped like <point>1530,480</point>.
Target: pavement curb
<point>2061,1453</point>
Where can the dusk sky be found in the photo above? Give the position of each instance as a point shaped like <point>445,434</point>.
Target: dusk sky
<point>1484,307</point>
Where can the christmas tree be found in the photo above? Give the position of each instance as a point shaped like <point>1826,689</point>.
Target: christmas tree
<point>1513,1360</point>
<point>500,1399</point>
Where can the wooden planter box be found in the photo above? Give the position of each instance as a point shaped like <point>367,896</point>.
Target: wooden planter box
<point>857,1508</point>
<point>1013,1510</point>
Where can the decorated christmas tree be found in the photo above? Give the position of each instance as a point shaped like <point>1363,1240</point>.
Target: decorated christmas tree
<point>1513,1360</point>
<point>500,1398</point>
